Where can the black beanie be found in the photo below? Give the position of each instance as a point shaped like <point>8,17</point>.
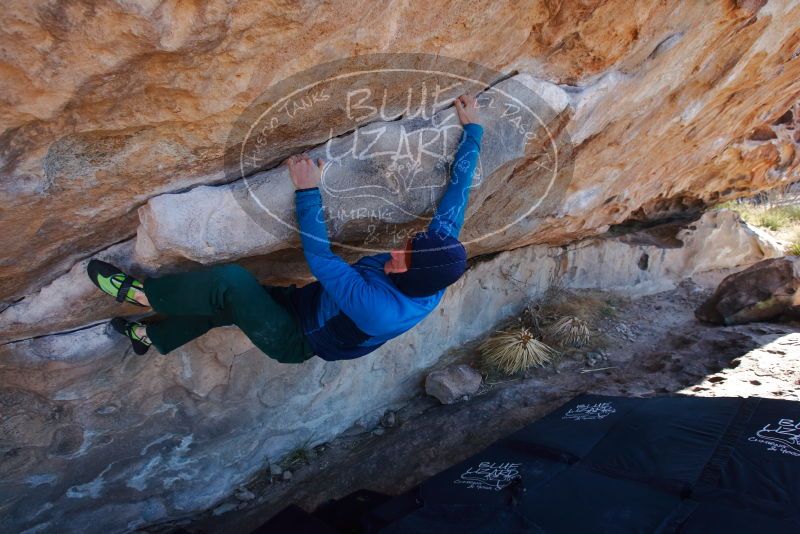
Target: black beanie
<point>436,262</point>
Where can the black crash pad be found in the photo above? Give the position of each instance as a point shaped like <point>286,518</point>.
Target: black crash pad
<point>612,464</point>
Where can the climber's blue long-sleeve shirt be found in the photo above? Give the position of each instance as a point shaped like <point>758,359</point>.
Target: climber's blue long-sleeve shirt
<point>352,310</point>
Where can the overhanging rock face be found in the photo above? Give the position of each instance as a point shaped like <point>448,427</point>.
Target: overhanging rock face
<point>105,441</point>
<point>681,104</point>
<point>255,215</point>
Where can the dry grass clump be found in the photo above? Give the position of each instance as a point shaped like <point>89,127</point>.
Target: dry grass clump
<point>568,331</point>
<point>774,218</point>
<point>512,351</point>
<point>560,323</point>
<point>792,241</point>
<point>588,307</point>
<point>781,220</point>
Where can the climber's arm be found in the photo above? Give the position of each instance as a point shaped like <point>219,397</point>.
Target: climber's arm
<point>348,288</point>
<point>345,284</point>
<point>449,216</point>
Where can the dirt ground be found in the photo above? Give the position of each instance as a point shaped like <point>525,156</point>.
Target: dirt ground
<point>650,346</point>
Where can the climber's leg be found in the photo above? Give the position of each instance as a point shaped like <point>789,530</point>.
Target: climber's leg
<point>193,293</point>
<point>174,331</point>
<point>231,294</point>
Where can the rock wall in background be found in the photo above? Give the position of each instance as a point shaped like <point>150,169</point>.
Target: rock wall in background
<point>106,441</point>
<point>114,119</point>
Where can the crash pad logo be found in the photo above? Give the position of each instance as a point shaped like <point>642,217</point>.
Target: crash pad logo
<point>783,437</point>
<point>583,412</point>
<point>490,476</point>
<point>386,126</point>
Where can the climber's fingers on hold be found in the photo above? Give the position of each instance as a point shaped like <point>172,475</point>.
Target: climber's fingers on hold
<point>303,159</point>
<point>466,102</point>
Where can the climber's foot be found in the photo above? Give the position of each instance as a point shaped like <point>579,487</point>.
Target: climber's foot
<point>136,332</point>
<point>113,281</point>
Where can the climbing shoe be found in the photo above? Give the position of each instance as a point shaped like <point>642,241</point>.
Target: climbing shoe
<point>114,282</point>
<point>126,328</point>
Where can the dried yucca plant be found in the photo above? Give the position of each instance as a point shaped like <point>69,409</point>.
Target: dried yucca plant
<point>516,350</point>
<point>568,331</point>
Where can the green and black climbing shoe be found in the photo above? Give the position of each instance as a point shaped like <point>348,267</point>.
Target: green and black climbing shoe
<point>114,282</point>
<point>128,329</point>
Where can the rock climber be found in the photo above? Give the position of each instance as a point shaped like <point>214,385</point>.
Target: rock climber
<point>350,310</point>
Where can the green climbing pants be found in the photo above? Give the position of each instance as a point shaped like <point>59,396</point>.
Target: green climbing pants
<point>225,295</point>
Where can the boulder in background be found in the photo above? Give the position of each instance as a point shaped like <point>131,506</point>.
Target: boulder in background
<point>762,292</point>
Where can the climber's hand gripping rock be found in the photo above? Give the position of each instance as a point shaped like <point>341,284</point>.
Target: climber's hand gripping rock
<point>305,173</point>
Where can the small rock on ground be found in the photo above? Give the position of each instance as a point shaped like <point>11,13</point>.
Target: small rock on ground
<point>245,495</point>
<point>453,383</point>
<point>224,508</point>
<point>389,419</point>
